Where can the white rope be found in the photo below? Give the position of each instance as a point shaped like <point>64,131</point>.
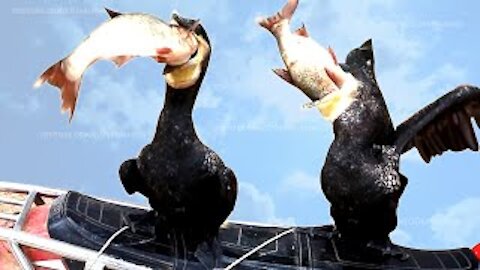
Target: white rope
<point>91,263</point>
<point>264,244</point>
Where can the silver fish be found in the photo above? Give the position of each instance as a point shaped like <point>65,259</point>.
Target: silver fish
<point>120,39</point>
<point>309,66</point>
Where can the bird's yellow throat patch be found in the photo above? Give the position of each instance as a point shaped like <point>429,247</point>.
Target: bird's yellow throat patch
<point>335,103</point>
<point>188,74</point>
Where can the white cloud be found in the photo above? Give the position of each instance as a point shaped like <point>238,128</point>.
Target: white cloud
<point>119,105</point>
<point>223,125</point>
<point>254,205</point>
<point>25,103</point>
<point>401,237</point>
<point>207,99</point>
<point>302,182</point>
<point>255,82</point>
<point>412,156</point>
<point>219,12</point>
<point>399,48</point>
<point>71,31</point>
<point>459,224</point>
<point>408,92</point>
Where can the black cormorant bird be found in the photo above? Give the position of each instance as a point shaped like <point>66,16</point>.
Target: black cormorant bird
<point>361,177</point>
<point>190,189</point>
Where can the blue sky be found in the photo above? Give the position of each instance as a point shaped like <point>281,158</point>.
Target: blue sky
<point>249,116</point>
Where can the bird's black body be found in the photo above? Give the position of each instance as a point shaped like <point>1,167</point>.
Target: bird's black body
<point>188,186</point>
<point>356,164</point>
<point>361,177</point>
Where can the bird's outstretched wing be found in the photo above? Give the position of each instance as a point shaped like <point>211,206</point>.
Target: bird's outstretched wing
<point>443,125</point>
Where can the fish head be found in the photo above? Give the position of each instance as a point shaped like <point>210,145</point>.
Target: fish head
<point>191,73</point>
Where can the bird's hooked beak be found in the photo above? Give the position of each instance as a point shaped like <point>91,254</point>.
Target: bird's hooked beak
<point>186,75</point>
<point>190,24</point>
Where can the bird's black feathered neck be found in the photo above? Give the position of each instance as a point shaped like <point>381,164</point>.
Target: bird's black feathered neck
<point>183,100</point>
<point>175,122</point>
<point>367,120</point>
<point>176,116</point>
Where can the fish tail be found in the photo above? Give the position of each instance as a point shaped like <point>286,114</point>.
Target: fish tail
<point>285,14</point>
<point>56,75</point>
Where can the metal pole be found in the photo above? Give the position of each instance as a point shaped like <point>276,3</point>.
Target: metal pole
<point>17,251</point>
<point>66,250</point>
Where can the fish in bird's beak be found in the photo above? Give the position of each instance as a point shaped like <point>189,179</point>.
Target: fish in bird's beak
<point>186,75</point>
<point>120,39</point>
<point>310,67</point>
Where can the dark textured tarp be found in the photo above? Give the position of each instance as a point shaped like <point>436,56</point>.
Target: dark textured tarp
<point>88,222</point>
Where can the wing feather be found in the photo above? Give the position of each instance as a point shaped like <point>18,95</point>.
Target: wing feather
<point>445,124</point>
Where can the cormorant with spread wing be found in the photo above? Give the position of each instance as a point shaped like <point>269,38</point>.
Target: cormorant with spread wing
<point>361,176</point>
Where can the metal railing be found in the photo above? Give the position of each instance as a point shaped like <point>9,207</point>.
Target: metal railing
<point>16,237</point>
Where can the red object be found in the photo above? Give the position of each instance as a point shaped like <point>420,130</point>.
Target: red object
<point>476,251</point>
<point>164,51</point>
<point>36,223</point>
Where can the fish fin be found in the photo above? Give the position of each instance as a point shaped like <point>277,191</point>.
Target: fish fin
<point>302,31</point>
<point>284,74</point>
<point>332,53</point>
<point>286,13</point>
<point>162,53</point>
<point>121,60</point>
<point>112,13</point>
<point>57,76</point>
